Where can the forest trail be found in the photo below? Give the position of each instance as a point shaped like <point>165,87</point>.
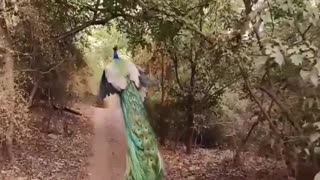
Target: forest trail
<point>108,160</point>
<point>97,151</point>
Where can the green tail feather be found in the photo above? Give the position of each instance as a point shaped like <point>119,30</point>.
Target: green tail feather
<point>144,159</point>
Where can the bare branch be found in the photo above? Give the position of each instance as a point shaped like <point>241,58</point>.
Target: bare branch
<point>222,88</point>
<point>282,107</point>
<point>175,60</point>
<point>251,93</point>
<point>5,49</point>
<point>33,93</point>
<point>305,32</point>
<point>66,109</point>
<point>236,157</point>
<point>85,25</point>
<point>42,72</point>
<point>302,34</point>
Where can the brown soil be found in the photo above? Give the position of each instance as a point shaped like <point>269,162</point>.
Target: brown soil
<point>109,148</point>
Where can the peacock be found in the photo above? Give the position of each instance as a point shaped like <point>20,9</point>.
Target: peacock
<point>122,77</point>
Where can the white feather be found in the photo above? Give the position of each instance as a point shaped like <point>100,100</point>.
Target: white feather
<point>119,81</point>
<point>115,77</point>
<point>133,73</point>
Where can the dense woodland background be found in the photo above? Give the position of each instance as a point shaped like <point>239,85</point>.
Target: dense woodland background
<point>236,79</point>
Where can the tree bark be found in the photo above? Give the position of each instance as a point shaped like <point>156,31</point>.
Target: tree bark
<point>33,93</point>
<point>190,103</point>
<point>190,123</point>
<point>162,128</point>
<point>7,80</point>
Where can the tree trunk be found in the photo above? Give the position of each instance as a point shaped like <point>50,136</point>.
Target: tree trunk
<point>190,124</point>
<point>33,93</point>
<point>162,129</point>
<point>7,81</point>
<point>190,102</point>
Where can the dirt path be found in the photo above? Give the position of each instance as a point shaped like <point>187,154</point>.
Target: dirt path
<point>109,145</point>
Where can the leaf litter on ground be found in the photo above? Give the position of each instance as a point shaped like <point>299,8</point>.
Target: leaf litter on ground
<point>211,164</point>
<point>55,157</point>
<point>52,156</point>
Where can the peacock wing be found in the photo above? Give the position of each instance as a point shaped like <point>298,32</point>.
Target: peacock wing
<point>106,88</point>
<point>112,82</point>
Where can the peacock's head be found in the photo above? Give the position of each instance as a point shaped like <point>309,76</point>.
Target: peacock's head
<point>115,53</point>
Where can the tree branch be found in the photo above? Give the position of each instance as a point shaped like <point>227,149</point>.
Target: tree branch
<point>305,32</point>
<point>236,157</point>
<point>66,109</point>
<point>96,9</point>
<point>282,107</point>
<point>271,16</point>
<point>222,88</point>
<point>264,112</point>
<point>302,34</point>
<point>42,72</point>
<point>33,93</point>
<point>174,58</point>
<point>85,25</point>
